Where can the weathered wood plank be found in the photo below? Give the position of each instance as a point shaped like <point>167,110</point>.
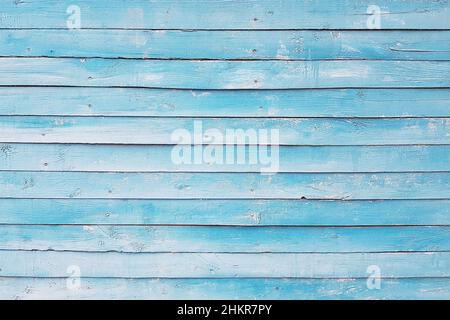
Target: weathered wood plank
<point>224,185</point>
<point>136,195</point>
<point>247,289</point>
<point>224,212</point>
<point>223,265</point>
<point>240,103</point>
<point>221,14</point>
<point>198,74</point>
<point>283,45</point>
<point>157,158</point>
<point>132,130</point>
<point>138,239</point>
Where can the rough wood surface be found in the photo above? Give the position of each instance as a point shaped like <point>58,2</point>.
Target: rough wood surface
<point>224,14</point>
<point>223,265</point>
<point>201,74</point>
<point>87,179</point>
<point>303,289</point>
<point>378,103</point>
<point>337,186</point>
<point>217,45</point>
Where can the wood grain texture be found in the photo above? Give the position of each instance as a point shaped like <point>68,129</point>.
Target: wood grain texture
<point>84,185</point>
<point>222,14</point>
<point>241,103</point>
<point>224,212</point>
<point>157,158</point>
<point>196,239</point>
<point>87,180</point>
<point>223,265</point>
<point>190,74</point>
<point>280,45</point>
<point>187,289</point>
<point>132,130</point>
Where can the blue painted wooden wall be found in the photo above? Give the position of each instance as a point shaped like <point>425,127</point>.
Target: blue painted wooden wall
<point>88,188</point>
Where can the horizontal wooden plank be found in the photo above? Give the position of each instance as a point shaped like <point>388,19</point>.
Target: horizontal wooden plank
<point>240,103</point>
<point>201,74</point>
<point>224,212</point>
<point>187,131</point>
<point>157,158</point>
<point>25,184</point>
<point>283,45</point>
<point>247,289</point>
<point>223,265</point>
<point>222,14</point>
<point>139,239</point>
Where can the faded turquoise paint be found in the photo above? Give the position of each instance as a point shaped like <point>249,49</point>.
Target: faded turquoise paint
<point>284,45</point>
<point>229,288</point>
<point>377,103</point>
<point>223,14</point>
<point>145,158</point>
<point>150,130</point>
<point>224,265</point>
<point>224,239</point>
<point>86,179</point>
<point>234,75</point>
<point>169,185</point>
<point>225,212</point>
